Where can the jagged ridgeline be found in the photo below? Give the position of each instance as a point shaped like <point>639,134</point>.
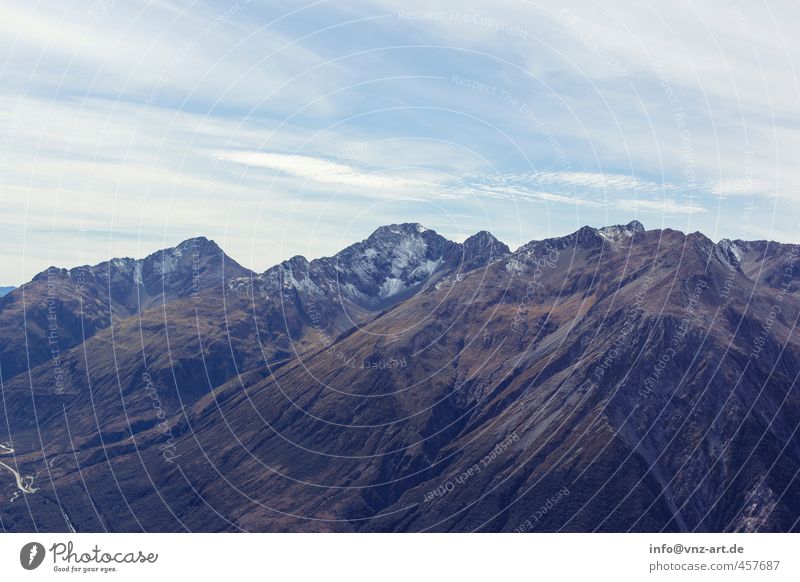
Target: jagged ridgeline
<point>613,379</point>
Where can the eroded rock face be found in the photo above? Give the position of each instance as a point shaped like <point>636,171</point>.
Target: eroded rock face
<point>614,379</point>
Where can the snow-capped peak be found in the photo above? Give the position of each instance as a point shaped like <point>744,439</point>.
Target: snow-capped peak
<point>394,231</point>
<point>392,260</point>
<point>619,232</point>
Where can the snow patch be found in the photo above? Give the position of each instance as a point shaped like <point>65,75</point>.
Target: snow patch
<point>513,265</point>
<point>732,248</point>
<point>406,252</point>
<point>427,268</point>
<point>390,287</point>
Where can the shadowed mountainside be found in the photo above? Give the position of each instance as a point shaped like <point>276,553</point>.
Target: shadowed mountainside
<point>614,379</point>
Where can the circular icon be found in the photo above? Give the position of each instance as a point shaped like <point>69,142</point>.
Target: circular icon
<point>31,555</point>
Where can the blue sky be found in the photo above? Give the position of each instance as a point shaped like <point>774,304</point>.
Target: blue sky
<point>298,128</point>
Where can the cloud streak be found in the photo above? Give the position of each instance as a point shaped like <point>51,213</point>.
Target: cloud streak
<point>315,169</point>
<point>596,190</point>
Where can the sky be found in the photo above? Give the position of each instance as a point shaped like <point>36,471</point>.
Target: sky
<point>285,128</point>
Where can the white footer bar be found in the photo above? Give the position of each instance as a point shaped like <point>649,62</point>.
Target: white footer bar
<point>401,557</point>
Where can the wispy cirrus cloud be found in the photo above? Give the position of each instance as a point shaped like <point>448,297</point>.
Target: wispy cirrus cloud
<point>500,189</point>
<point>666,206</point>
<point>743,187</point>
<point>582,189</point>
<point>315,169</point>
<point>596,180</point>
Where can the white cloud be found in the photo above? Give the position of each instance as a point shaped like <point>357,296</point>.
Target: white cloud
<point>557,198</point>
<point>315,169</point>
<point>740,187</point>
<point>420,184</point>
<point>603,181</point>
<point>666,206</point>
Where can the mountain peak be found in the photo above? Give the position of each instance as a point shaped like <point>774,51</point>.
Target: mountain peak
<point>196,243</point>
<point>395,230</point>
<point>617,232</point>
<point>483,235</point>
<point>482,248</point>
<point>635,226</point>
<point>391,261</point>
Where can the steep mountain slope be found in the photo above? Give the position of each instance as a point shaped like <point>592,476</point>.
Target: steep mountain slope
<point>615,379</point>
<point>61,308</point>
<point>766,262</point>
<point>169,354</point>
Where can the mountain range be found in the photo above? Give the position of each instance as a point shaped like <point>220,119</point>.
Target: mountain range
<point>615,379</point>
